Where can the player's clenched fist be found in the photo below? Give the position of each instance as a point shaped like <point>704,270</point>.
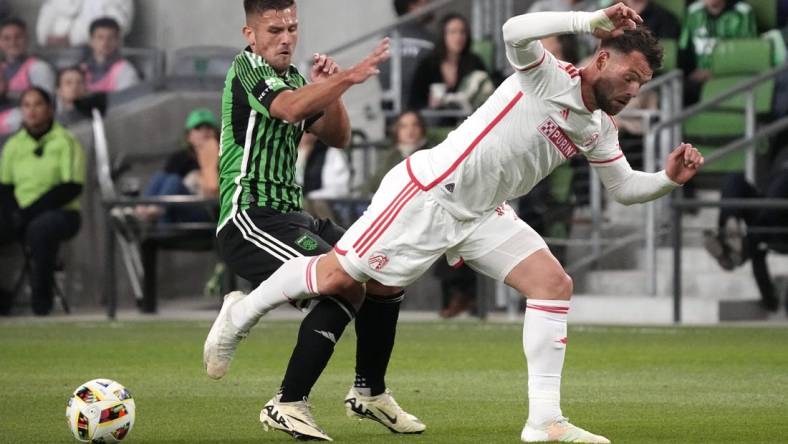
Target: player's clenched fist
<point>683,163</point>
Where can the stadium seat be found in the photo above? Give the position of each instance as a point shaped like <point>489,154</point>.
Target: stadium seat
<point>202,61</point>
<point>741,56</point>
<point>670,51</point>
<point>765,14</point>
<point>485,49</point>
<point>675,7</point>
<point>733,62</point>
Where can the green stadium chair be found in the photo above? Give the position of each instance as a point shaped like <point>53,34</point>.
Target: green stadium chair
<point>670,49</point>
<point>765,14</point>
<point>438,134</point>
<point>485,49</point>
<point>732,163</point>
<point>779,49</point>
<point>741,56</point>
<point>716,86</point>
<point>675,7</point>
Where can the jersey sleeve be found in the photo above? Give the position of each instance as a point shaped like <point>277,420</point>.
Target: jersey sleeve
<point>72,161</point>
<point>6,166</point>
<point>259,80</point>
<point>607,149</point>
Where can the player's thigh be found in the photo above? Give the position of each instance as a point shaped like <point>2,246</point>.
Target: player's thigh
<point>507,249</point>
<point>400,235</point>
<point>255,243</point>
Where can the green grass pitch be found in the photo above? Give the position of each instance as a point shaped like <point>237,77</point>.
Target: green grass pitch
<point>466,380</point>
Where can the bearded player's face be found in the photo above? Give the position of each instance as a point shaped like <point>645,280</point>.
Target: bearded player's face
<point>621,77</point>
<point>273,35</point>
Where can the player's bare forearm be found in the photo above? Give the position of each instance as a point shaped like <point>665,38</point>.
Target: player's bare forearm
<point>334,127</point>
<point>295,106</point>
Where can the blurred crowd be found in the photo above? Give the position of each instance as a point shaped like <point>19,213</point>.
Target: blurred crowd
<point>445,75</point>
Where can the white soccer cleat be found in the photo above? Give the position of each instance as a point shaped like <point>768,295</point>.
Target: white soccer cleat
<point>384,409</point>
<point>293,418</point>
<point>223,339</point>
<point>560,430</point>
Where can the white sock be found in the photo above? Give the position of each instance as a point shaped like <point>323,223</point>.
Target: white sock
<point>296,279</point>
<point>544,342</point>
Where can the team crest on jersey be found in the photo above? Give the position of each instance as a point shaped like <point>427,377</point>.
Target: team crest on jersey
<point>306,243</point>
<point>378,260</point>
<point>558,138</point>
<point>591,140</point>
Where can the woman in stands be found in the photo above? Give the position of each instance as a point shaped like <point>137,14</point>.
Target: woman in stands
<point>451,76</point>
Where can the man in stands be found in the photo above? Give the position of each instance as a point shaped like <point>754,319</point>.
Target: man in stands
<point>21,70</point>
<point>450,200</point>
<point>105,69</point>
<point>707,22</point>
<point>266,108</point>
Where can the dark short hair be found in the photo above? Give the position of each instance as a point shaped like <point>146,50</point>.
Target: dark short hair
<point>68,69</point>
<point>104,22</point>
<point>640,39</point>
<point>260,6</point>
<point>14,21</point>
<point>403,6</point>
<point>40,91</point>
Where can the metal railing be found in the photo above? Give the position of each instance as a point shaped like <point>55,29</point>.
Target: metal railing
<point>679,205</point>
<point>671,127</point>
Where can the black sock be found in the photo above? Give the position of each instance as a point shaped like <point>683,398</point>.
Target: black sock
<point>320,331</point>
<point>376,327</point>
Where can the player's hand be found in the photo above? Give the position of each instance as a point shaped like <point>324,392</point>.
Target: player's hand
<point>622,17</point>
<point>369,66</point>
<point>683,163</point>
<point>323,67</point>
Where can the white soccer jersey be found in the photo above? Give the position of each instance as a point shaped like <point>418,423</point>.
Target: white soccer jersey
<point>533,123</point>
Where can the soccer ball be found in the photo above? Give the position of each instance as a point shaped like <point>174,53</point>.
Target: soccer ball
<point>100,411</point>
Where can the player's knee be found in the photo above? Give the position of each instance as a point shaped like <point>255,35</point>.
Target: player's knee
<point>340,283</point>
<point>561,286</point>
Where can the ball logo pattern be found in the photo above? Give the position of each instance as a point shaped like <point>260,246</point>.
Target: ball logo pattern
<point>100,411</point>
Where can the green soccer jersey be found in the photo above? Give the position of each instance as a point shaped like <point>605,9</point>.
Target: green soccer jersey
<point>701,30</point>
<point>258,152</point>
<point>35,166</point>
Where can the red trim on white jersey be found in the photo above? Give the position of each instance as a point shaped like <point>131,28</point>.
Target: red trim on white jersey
<point>384,219</point>
<point>458,264</point>
<point>612,120</point>
<point>534,65</point>
<point>340,251</point>
<point>602,162</point>
<point>547,308</point>
<point>468,150</point>
<point>312,288</point>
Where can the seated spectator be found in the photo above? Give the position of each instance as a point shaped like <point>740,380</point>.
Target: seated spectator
<point>451,76</point>
<point>10,114</point>
<point>416,41</point>
<point>21,70</point>
<point>105,69</point>
<point>409,134</point>
<point>326,175</point>
<point>65,23</point>
<point>42,170</point>
<point>707,22</point>
<point>70,88</point>
<point>731,249</point>
<point>189,171</point>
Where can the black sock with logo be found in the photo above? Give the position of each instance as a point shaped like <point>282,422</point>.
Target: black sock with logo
<point>319,333</point>
<point>376,328</point>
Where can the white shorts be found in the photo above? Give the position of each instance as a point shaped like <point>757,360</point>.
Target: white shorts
<point>405,230</point>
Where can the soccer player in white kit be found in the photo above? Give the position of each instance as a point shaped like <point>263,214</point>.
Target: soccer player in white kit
<point>450,200</point>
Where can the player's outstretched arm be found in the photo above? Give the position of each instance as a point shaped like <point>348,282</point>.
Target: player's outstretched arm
<point>522,33</point>
<point>628,187</point>
<point>302,103</point>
